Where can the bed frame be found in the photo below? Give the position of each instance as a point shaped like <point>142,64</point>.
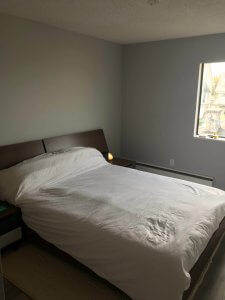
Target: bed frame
<point>13,154</point>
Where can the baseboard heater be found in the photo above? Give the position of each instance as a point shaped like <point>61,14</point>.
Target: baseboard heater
<point>206,180</point>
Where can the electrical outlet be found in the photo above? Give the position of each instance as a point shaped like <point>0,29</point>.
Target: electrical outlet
<point>172,162</point>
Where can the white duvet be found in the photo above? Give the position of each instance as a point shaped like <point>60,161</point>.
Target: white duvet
<point>140,231</point>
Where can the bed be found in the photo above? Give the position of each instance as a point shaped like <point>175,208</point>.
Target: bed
<point>115,220</point>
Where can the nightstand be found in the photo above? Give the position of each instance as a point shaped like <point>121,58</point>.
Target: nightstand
<point>123,162</point>
<point>10,224</point>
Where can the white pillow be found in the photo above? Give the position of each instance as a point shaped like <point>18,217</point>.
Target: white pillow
<point>11,178</point>
<point>47,168</point>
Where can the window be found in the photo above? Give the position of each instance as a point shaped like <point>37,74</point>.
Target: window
<point>210,114</point>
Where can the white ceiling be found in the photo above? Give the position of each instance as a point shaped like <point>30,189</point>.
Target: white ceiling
<point>125,21</point>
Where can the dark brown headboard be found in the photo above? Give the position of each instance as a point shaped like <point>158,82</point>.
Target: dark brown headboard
<point>14,154</point>
<point>95,139</point>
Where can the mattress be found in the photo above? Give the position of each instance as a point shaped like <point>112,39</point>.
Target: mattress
<point>140,231</point>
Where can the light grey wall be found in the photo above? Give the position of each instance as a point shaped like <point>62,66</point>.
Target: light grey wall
<point>160,89</point>
<point>54,82</point>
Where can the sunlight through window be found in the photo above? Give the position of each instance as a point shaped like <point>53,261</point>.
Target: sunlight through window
<point>210,114</point>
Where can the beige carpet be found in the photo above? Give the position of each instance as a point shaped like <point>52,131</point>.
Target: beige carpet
<point>13,293</point>
<point>46,276</point>
<point>43,275</point>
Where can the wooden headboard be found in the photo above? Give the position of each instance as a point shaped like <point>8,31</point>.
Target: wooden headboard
<point>95,139</point>
<point>13,154</point>
<point>16,153</point>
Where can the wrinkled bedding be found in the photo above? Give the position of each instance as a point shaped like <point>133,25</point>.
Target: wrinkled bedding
<point>140,231</point>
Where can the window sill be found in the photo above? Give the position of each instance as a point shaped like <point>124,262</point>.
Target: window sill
<point>207,138</point>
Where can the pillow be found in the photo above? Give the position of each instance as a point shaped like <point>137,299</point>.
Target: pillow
<point>45,169</point>
<point>70,149</point>
<point>10,178</point>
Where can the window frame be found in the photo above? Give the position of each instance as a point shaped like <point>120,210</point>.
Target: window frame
<point>198,103</point>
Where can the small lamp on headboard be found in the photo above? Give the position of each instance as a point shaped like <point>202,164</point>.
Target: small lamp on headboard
<point>110,156</point>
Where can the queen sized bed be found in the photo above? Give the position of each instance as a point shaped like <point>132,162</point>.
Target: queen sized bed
<point>140,231</point>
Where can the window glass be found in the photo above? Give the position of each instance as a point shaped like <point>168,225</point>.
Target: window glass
<point>211,108</point>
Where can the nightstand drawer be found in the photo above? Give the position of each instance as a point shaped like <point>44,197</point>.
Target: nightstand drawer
<point>10,237</point>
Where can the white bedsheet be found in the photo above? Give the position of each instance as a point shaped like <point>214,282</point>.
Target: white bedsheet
<point>140,231</point>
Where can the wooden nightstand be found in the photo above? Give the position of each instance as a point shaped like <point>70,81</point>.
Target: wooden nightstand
<point>123,162</point>
<point>10,224</point>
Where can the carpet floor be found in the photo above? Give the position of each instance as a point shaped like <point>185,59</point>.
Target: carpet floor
<point>42,275</point>
<point>13,293</point>
<point>213,286</point>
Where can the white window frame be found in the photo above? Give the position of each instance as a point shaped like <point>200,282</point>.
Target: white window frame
<point>198,103</point>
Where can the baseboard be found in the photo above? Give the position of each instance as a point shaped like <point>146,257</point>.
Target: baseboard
<point>206,180</point>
